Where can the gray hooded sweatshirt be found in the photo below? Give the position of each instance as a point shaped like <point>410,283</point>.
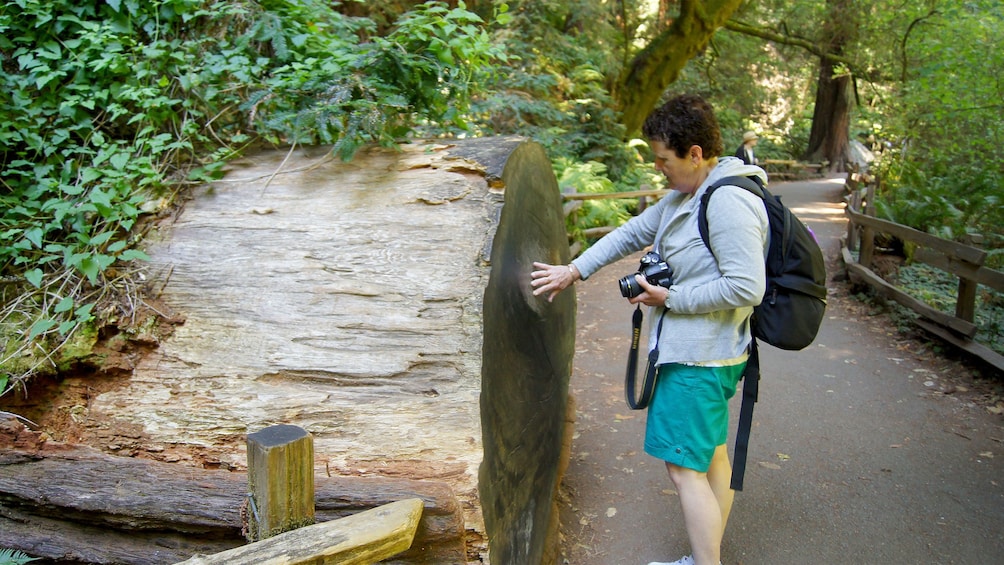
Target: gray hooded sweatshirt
<point>712,296</point>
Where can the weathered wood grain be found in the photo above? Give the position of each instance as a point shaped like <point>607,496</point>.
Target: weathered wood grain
<point>369,303</point>
<point>280,481</point>
<point>528,349</point>
<point>360,539</point>
<point>344,298</point>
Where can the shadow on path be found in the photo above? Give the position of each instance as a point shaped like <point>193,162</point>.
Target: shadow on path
<point>855,455</point>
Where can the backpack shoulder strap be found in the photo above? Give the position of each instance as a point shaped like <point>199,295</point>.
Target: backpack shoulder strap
<point>751,184</point>
<point>751,392</point>
<point>751,374</point>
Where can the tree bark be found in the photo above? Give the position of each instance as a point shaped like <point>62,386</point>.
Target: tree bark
<point>643,82</point>
<point>526,363</point>
<point>785,39</point>
<point>829,139</point>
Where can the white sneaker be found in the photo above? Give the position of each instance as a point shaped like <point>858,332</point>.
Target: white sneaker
<point>688,560</point>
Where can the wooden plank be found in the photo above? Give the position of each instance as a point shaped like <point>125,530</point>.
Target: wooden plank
<point>988,355</point>
<point>594,233</point>
<point>963,252</point>
<point>961,326</point>
<point>616,195</point>
<point>982,275</point>
<point>360,539</point>
<point>845,254</point>
<point>574,249</point>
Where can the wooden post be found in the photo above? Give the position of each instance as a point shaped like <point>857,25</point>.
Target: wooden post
<point>280,481</point>
<point>965,305</point>
<point>868,233</point>
<point>852,228</point>
<point>854,201</point>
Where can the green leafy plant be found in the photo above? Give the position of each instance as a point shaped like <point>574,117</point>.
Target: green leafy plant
<point>939,290</point>
<point>109,110</point>
<point>422,74</point>
<point>591,178</point>
<point>555,88</point>
<point>12,557</point>
<point>942,129</point>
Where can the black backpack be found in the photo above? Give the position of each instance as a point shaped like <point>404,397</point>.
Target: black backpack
<point>793,305</point>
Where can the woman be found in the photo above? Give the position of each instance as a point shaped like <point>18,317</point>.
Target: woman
<point>706,308</point>
<point>745,151</point>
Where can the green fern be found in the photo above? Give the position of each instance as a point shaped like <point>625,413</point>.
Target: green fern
<point>14,557</point>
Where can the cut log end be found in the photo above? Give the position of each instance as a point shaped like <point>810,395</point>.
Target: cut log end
<point>277,435</point>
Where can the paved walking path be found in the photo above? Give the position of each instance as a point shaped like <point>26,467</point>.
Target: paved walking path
<point>866,447</point>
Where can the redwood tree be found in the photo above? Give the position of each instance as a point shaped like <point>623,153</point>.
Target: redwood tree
<point>829,137</point>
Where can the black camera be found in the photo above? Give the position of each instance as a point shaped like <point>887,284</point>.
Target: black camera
<point>655,271</point>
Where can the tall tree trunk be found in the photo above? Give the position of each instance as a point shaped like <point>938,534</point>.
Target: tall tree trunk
<point>829,138</point>
<point>644,81</point>
<point>831,119</point>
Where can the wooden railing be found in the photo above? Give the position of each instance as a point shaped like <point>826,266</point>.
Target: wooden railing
<point>961,260</point>
<point>789,169</point>
<point>573,201</point>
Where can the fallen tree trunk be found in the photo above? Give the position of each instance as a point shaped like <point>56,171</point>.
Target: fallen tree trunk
<point>74,503</point>
<point>348,299</point>
<point>529,344</point>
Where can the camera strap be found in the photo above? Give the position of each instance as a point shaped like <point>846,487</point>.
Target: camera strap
<point>648,386</point>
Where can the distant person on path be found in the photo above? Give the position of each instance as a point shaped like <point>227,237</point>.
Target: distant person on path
<point>745,151</point>
<point>706,308</point>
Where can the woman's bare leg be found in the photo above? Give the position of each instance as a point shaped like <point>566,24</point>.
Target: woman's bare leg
<point>720,478</point>
<point>701,513</point>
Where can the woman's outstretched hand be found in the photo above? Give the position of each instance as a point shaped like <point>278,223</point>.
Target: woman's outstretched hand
<point>552,279</point>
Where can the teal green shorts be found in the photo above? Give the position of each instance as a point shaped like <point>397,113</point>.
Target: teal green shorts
<point>688,417</point>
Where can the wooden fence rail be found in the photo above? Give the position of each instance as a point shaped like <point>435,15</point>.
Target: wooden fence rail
<point>961,260</point>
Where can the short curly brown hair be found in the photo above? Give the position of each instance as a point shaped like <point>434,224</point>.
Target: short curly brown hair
<point>686,120</point>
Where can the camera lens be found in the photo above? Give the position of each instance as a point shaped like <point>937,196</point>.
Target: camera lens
<point>629,286</point>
